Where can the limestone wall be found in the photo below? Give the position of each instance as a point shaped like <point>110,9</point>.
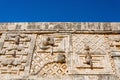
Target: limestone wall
<point>60,51</point>
<point>61,26</point>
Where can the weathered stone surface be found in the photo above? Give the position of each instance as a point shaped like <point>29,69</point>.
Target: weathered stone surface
<point>57,51</point>
<point>88,26</point>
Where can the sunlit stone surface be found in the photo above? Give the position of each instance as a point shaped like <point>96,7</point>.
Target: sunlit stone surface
<point>60,51</point>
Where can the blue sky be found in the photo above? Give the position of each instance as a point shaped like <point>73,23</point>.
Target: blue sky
<point>59,10</point>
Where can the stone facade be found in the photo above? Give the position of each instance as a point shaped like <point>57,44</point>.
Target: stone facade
<point>60,51</point>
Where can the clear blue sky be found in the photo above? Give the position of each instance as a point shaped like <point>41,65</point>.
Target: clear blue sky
<point>59,10</point>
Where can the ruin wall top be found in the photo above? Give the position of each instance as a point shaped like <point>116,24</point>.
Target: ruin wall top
<point>75,27</point>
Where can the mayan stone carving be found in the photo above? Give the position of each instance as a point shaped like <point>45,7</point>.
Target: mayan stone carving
<point>16,54</point>
<point>51,51</point>
<point>60,51</point>
<point>88,57</point>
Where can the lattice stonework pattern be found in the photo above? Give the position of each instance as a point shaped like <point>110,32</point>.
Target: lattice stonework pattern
<point>15,55</point>
<point>99,50</point>
<point>46,58</point>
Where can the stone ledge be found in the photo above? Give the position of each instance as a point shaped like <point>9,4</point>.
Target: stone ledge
<point>64,26</point>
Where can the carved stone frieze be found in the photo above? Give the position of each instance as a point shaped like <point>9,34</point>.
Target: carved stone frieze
<point>60,51</point>
<point>90,59</point>
<point>58,45</point>
<point>15,53</point>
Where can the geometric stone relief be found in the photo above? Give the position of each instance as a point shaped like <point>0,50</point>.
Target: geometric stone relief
<point>114,41</point>
<point>95,60</point>
<point>117,66</point>
<point>15,55</point>
<point>60,51</point>
<point>50,55</point>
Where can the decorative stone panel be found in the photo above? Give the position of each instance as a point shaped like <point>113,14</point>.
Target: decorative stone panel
<point>15,59</point>
<point>60,51</point>
<point>99,50</point>
<point>50,60</point>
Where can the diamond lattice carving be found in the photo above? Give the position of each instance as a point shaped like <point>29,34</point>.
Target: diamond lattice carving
<point>46,64</point>
<point>53,69</point>
<point>95,42</point>
<point>99,50</point>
